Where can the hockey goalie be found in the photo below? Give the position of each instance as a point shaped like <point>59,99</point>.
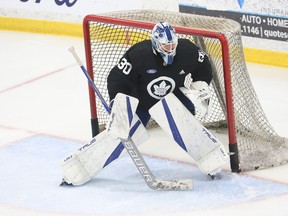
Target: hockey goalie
<point>165,78</point>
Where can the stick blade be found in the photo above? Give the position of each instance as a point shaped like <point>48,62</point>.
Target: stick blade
<point>172,185</point>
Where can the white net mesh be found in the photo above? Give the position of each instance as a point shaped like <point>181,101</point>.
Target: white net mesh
<point>258,144</point>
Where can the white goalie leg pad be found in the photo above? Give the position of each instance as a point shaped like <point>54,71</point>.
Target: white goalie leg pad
<point>178,122</point>
<point>73,171</point>
<point>213,161</point>
<point>120,119</point>
<point>90,159</point>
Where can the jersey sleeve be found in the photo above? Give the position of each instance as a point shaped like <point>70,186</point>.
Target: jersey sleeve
<point>203,70</point>
<point>121,78</point>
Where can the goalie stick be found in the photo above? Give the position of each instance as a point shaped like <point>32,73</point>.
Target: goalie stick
<point>151,181</point>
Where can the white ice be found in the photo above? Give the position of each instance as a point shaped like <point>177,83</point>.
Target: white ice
<point>44,115</point>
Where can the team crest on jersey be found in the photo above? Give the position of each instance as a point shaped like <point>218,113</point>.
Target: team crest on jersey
<point>160,87</point>
<point>151,71</point>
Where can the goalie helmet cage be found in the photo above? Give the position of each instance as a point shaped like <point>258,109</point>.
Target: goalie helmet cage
<point>236,110</point>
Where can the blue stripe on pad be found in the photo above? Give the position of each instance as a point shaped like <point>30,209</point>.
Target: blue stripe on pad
<point>175,132</point>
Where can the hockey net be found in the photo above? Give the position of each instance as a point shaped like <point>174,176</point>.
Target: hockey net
<point>236,110</point>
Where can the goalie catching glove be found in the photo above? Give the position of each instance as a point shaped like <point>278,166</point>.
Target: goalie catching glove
<point>199,94</point>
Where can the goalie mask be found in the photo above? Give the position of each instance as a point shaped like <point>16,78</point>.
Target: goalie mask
<point>164,41</point>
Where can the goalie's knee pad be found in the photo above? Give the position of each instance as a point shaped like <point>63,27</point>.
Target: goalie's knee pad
<point>121,116</point>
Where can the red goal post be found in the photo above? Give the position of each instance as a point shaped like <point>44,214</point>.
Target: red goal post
<point>108,36</point>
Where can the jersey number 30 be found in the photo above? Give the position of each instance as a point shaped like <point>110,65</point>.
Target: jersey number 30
<point>125,66</point>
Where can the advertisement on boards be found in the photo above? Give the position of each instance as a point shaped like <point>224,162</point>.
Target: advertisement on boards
<point>265,19</point>
<point>71,10</point>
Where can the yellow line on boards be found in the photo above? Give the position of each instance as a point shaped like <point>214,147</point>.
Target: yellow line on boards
<point>41,26</point>
<point>266,57</point>
<point>75,30</point>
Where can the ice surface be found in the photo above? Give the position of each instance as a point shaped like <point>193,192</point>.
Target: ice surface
<point>31,177</point>
<point>45,116</point>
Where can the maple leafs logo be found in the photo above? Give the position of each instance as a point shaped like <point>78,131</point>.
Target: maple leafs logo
<point>160,87</point>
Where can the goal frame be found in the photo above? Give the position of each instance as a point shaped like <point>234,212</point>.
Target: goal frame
<point>233,149</point>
